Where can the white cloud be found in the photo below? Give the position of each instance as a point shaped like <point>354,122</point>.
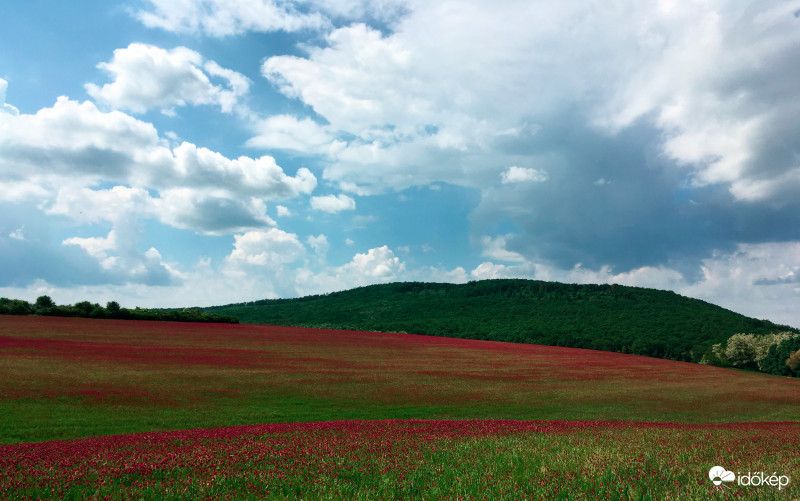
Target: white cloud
<point>516,174</point>
<point>266,248</point>
<point>74,141</point>
<point>283,211</point>
<point>225,17</point>
<point>754,280</point>
<point>333,203</point>
<point>97,247</point>
<point>92,206</point>
<point>148,77</point>
<point>435,274</point>
<point>285,132</point>
<point>438,97</point>
<point>210,211</point>
<point>487,270</point>
<point>55,155</point>
<point>118,257</point>
<point>5,107</point>
<point>495,248</point>
<point>719,87</point>
<point>200,167</point>
<point>18,234</point>
<point>319,244</point>
<point>377,265</point>
<point>118,252</point>
<point>18,191</point>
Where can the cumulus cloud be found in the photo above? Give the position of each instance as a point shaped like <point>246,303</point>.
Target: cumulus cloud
<point>57,154</point>
<point>319,244</point>
<point>148,77</point>
<point>73,140</point>
<point>211,212</point>
<point>223,18</point>
<point>197,167</point>
<point>285,132</point>
<point>265,248</point>
<point>377,265</point>
<point>495,248</point>
<point>117,253</point>
<point>220,18</point>
<point>516,174</point>
<point>64,266</point>
<point>93,206</point>
<point>122,263</point>
<point>333,203</point>
<point>751,280</point>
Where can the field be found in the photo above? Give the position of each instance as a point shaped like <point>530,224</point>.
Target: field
<point>368,415</point>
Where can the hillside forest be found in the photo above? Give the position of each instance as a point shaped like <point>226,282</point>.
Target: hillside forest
<point>607,317</point>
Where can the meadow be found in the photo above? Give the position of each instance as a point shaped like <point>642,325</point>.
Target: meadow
<point>128,409</point>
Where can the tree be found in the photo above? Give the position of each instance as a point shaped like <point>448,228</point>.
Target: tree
<point>43,303</point>
<point>793,362</point>
<point>113,308</point>
<point>14,307</point>
<point>84,308</point>
<point>741,351</point>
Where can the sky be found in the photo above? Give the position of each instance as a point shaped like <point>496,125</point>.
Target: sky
<point>167,153</point>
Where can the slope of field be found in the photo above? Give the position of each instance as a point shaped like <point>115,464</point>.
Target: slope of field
<point>604,317</point>
<point>69,377</point>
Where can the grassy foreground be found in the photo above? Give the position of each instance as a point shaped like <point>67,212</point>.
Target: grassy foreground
<point>410,460</point>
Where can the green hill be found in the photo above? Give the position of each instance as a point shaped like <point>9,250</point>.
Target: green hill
<point>604,317</point>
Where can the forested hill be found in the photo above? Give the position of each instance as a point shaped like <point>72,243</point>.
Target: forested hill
<point>606,317</point>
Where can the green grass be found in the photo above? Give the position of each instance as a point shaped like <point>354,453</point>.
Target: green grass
<point>411,460</point>
<point>67,378</point>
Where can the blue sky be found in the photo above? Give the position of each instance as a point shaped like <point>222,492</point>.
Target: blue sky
<point>199,152</point>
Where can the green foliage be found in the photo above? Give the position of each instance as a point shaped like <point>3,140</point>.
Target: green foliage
<point>604,317</point>
<point>45,306</point>
<point>43,303</point>
<point>793,362</point>
<point>740,351</point>
<point>765,352</point>
<point>113,308</point>
<point>777,356</point>
<point>15,307</point>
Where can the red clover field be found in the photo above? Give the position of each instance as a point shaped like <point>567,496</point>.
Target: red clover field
<point>108,409</point>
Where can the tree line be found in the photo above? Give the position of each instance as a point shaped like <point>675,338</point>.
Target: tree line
<point>45,306</point>
<point>777,353</point>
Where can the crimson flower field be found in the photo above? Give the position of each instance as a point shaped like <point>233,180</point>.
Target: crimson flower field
<point>286,412</point>
<point>406,459</point>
